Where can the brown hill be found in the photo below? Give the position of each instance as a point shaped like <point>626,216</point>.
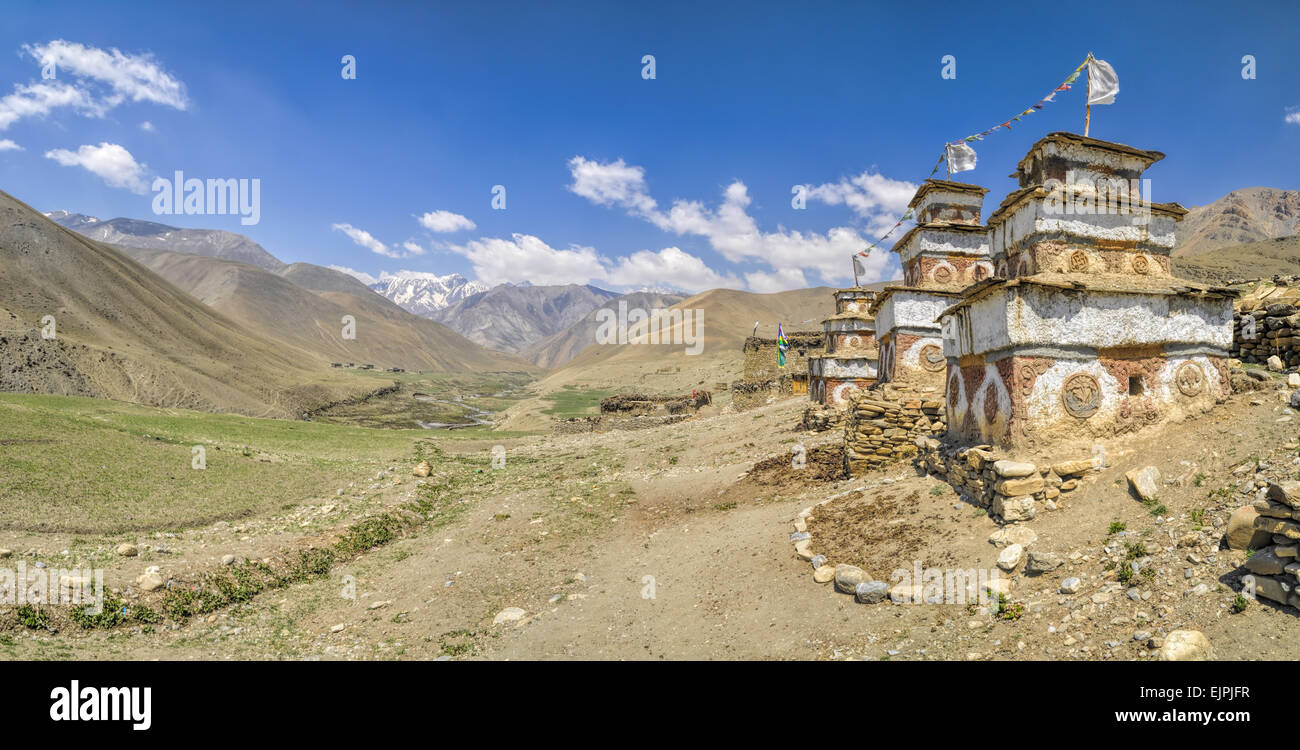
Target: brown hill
<point>1278,256</point>
<point>558,349</point>
<point>281,305</point>
<point>123,332</point>
<point>729,318</point>
<point>1240,217</point>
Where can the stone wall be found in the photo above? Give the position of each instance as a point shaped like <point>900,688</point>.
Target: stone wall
<point>1011,490</point>
<point>1276,333</point>
<point>881,427</point>
<point>1275,570</point>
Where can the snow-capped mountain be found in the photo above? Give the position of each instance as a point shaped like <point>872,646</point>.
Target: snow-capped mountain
<point>426,293</point>
<point>150,235</point>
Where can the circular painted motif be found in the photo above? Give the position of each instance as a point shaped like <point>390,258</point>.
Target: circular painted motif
<point>942,274</point>
<point>853,340</point>
<point>842,392</point>
<point>851,307</point>
<point>1141,264</point>
<point>931,356</point>
<point>1078,261</point>
<point>1190,379</point>
<point>1081,395</point>
<point>981,272</point>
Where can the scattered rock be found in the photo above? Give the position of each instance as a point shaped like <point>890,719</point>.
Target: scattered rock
<point>1145,482</point>
<point>1071,585</point>
<point>1186,645</point>
<point>1022,535</point>
<point>509,615</point>
<point>422,469</point>
<point>337,628</point>
<point>847,578</point>
<point>1042,562</point>
<point>227,559</point>
<point>871,592</point>
<point>150,581</point>
<point>126,549</point>
<point>1275,363</point>
<point>1010,557</point>
<point>824,574</point>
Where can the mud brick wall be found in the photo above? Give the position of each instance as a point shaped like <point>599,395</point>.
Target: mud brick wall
<point>1011,490</point>
<point>747,394</point>
<point>1275,570</point>
<point>1277,332</point>
<point>761,355</point>
<point>878,431</point>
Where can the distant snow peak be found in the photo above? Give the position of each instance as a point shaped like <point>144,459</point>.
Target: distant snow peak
<point>424,293</point>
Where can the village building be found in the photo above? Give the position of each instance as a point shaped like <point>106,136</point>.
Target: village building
<point>763,380</point>
<point>1084,333</point>
<point>947,251</point>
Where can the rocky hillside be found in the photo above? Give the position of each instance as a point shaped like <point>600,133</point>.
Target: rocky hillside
<point>1238,218</point>
<point>510,318</point>
<point>213,243</point>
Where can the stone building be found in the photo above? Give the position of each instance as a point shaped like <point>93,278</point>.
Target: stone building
<point>947,251</point>
<point>763,381</point>
<point>851,357</point>
<point>1083,333</point>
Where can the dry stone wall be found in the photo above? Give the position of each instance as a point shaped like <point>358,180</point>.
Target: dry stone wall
<point>1011,490</point>
<point>882,427</point>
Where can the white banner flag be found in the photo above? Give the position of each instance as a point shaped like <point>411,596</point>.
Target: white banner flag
<point>961,158</point>
<point>1103,84</point>
<point>857,267</point>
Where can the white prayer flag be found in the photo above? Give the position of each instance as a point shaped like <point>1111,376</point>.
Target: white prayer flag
<point>1103,84</point>
<point>961,157</point>
<point>857,267</point>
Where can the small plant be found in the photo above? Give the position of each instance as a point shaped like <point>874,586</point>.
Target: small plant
<point>1199,479</point>
<point>1125,574</point>
<point>33,618</point>
<point>1010,611</point>
<point>729,505</point>
<point>937,490</point>
<point>1239,604</point>
<point>1135,550</point>
<point>1116,527</point>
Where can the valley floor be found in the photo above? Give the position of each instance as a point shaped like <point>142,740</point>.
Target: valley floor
<point>663,544</point>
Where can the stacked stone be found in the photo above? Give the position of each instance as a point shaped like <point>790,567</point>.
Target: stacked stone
<point>1011,490</point>
<point>1277,334</point>
<point>879,431</point>
<point>1275,569</point>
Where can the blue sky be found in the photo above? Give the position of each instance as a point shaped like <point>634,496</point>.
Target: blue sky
<point>682,181</point>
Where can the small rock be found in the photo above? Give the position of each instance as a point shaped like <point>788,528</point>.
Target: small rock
<point>422,469</point>
<point>1186,645</point>
<point>227,559</point>
<point>871,592</point>
<point>1145,482</point>
<point>1010,557</point>
<point>126,549</point>
<point>1022,535</point>
<point>824,574</point>
<point>508,615</point>
<point>1042,562</point>
<point>337,628</point>
<point>847,578</point>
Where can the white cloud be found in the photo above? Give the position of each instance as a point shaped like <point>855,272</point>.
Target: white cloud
<point>669,267</point>
<point>525,257</point>
<point>138,78</point>
<point>1292,115</point>
<point>366,240</point>
<point>111,162</point>
<point>413,248</point>
<point>8,145</point>
<point>777,281</point>
<point>38,99</point>
<point>446,221</point>
<point>361,276</point>
<point>147,126</point>
<point>90,81</point>
<point>735,234</point>
<point>611,184</point>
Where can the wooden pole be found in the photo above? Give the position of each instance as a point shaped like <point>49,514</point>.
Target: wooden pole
<point>1087,105</point>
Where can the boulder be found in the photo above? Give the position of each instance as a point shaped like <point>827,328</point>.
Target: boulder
<point>1242,534</point>
<point>1012,509</point>
<point>871,592</point>
<point>847,578</point>
<point>1010,557</point>
<point>1275,363</point>
<point>1186,645</point>
<point>1022,535</point>
<point>1145,482</point>
<point>1042,562</point>
<point>422,469</point>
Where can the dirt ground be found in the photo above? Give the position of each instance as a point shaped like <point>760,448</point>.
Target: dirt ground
<point>674,543</point>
